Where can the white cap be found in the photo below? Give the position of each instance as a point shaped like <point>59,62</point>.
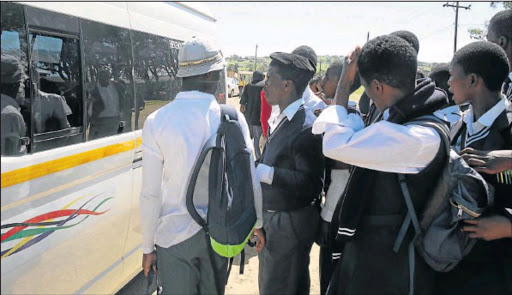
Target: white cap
<point>198,56</point>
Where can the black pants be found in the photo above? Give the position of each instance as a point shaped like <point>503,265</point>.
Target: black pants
<point>284,262</point>
<point>326,268</point>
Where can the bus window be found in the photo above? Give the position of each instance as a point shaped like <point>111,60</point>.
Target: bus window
<point>108,70</point>
<point>156,65</point>
<point>15,114</point>
<point>57,102</point>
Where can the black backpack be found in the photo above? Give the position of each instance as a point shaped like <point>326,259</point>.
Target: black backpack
<point>461,193</point>
<point>222,175</point>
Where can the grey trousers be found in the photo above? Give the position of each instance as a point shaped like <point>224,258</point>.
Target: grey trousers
<point>255,132</point>
<point>186,268</point>
<point>284,262</point>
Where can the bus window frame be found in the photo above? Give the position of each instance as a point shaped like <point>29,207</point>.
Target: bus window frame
<point>72,131</point>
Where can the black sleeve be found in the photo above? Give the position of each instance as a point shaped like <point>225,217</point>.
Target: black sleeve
<point>244,96</point>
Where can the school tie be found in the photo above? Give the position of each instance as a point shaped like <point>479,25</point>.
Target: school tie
<point>507,88</point>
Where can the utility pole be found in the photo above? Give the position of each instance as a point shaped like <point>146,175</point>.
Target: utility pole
<point>456,6</point>
<point>255,57</point>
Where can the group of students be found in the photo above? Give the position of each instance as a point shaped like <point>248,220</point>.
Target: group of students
<point>350,157</point>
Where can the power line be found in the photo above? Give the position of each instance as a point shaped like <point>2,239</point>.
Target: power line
<point>456,6</point>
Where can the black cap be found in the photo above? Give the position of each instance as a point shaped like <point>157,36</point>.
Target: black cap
<point>294,60</point>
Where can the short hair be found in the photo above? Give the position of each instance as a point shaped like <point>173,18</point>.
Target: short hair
<point>485,59</point>
<point>336,68</point>
<point>200,82</point>
<point>440,74</point>
<point>307,52</point>
<point>315,79</point>
<point>389,59</point>
<point>501,24</point>
<point>409,37</point>
<point>420,74</point>
<point>300,78</point>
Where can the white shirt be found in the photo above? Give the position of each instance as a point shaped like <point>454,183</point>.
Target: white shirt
<point>264,172</point>
<point>172,139</point>
<point>311,101</point>
<point>382,146</point>
<point>48,105</point>
<point>110,99</point>
<point>339,180</point>
<point>450,114</point>
<point>481,128</point>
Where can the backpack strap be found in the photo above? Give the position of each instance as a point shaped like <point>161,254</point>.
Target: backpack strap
<point>411,217</point>
<point>229,111</point>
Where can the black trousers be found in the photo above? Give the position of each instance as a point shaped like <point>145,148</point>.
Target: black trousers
<point>284,262</point>
<point>326,268</point>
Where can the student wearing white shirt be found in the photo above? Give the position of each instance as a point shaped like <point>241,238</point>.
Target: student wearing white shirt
<point>172,139</point>
<point>477,73</point>
<point>291,172</point>
<point>336,178</point>
<point>387,68</point>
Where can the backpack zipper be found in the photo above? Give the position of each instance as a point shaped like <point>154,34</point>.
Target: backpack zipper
<point>463,208</point>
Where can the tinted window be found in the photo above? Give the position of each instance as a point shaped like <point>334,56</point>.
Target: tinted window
<point>156,65</point>
<point>15,116</point>
<point>57,100</point>
<point>108,75</point>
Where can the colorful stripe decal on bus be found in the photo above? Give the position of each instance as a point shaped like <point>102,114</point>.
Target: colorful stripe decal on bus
<point>45,225</point>
<point>39,170</point>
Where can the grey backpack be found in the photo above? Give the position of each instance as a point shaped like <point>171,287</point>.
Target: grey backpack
<point>222,178</point>
<point>461,193</point>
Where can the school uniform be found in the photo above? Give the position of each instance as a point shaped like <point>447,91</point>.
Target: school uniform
<point>488,267</point>
<point>172,139</point>
<point>291,170</point>
<point>507,87</point>
<point>367,219</point>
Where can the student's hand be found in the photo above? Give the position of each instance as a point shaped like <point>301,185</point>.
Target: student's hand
<point>490,162</point>
<point>489,228</point>
<point>242,108</point>
<point>347,77</point>
<point>260,244</point>
<point>148,260</point>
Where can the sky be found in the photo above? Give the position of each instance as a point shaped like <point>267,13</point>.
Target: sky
<point>335,28</point>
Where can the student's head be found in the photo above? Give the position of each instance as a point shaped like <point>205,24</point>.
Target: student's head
<point>420,74</point>
<point>200,65</point>
<point>104,75</point>
<point>306,52</point>
<point>500,31</point>
<point>315,83</point>
<point>440,74</point>
<point>409,37</point>
<point>387,68</point>
<point>257,76</point>
<point>12,75</point>
<point>476,68</point>
<point>332,77</point>
<point>287,77</point>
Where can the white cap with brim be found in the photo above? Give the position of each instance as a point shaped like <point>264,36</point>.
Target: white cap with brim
<point>197,57</point>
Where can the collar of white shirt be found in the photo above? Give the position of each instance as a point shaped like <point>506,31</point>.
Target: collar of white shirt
<point>194,95</point>
<point>486,119</point>
<point>291,110</point>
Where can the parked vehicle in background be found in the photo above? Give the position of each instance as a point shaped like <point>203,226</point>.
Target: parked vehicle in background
<point>233,87</point>
<point>70,219</point>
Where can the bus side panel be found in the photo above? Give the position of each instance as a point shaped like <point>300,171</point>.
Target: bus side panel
<point>68,239</point>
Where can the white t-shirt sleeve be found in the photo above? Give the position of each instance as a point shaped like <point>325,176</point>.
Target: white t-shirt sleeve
<point>151,191</point>
<point>258,197</point>
<point>383,146</point>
